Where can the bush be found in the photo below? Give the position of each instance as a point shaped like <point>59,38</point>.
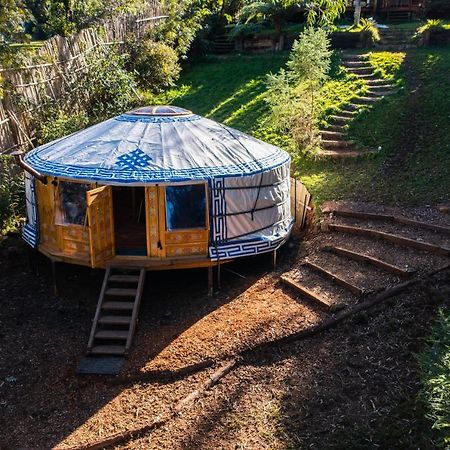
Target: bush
<point>56,123</point>
<point>155,63</point>
<point>108,87</point>
<point>12,195</point>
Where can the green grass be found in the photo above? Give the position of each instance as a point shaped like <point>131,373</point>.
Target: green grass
<point>413,130</point>
<point>231,90</point>
<point>435,369</point>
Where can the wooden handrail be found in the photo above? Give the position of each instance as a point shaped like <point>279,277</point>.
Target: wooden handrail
<point>18,155</point>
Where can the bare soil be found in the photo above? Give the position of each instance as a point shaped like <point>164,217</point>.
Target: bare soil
<point>351,387</point>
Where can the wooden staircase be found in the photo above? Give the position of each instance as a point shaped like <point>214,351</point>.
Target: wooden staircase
<point>115,319</point>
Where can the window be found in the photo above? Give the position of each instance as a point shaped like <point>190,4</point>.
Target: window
<point>73,202</point>
<point>186,206</point>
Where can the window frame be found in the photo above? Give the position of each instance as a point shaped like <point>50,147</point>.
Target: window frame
<point>59,209</point>
<point>188,183</point>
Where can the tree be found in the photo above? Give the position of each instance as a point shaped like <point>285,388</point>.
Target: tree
<point>276,11</point>
<point>12,17</point>
<point>293,93</point>
<point>324,12</point>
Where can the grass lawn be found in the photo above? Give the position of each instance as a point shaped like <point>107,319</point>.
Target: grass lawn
<point>412,127</point>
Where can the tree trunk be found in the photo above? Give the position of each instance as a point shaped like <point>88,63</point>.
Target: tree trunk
<point>357,12</point>
<point>279,34</point>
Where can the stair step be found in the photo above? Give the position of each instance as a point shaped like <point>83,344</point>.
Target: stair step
<point>337,128</point>
<point>370,75</point>
<point>360,70</point>
<point>341,119</point>
<point>381,93</point>
<point>332,134</point>
<point>121,292</point>
<point>114,320</point>
<point>382,87</point>
<point>340,154</point>
<point>374,82</point>
<point>108,350</point>
<point>337,143</point>
<point>360,64</point>
<point>347,112</point>
<point>120,306</point>
<point>364,100</point>
<point>124,278</point>
<point>111,334</point>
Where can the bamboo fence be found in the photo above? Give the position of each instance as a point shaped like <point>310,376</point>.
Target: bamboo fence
<point>62,61</point>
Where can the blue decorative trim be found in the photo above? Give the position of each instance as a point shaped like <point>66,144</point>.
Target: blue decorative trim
<point>156,119</point>
<point>136,159</point>
<point>154,175</point>
<point>249,247</point>
<point>30,235</point>
<point>218,209</point>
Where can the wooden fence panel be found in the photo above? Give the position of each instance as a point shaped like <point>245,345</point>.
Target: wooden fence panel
<point>300,198</point>
<point>64,61</point>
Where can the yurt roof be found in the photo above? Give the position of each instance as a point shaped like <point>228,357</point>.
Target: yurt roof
<point>155,144</point>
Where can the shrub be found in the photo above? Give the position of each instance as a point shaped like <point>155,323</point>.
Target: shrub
<point>12,195</point>
<point>108,87</point>
<point>155,63</point>
<point>430,24</point>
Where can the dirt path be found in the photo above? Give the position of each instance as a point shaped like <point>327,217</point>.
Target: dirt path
<point>353,387</point>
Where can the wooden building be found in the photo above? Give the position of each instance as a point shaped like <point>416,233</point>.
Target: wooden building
<point>391,9</point>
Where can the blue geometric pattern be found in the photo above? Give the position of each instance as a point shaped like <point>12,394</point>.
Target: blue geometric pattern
<point>253,247</point>
<point>136,159</point>
<point>156,119</point>
<point>219,208</point>
<point>278,158</point>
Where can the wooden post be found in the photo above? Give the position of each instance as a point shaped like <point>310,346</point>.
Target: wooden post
<point>55,286</point>
<point>210,281</point>
<point>274,260</point>
<point>219,276</point>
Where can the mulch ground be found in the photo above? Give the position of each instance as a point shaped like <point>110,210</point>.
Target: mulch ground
<point>351,387</point>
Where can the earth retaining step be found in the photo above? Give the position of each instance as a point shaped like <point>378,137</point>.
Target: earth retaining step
<point>361,70</point>
<point>380,93</point>
<point>337,128</point>
<point>332,134</point>
<point>361,64</point>
<point>365,100</point>
<point>375,81</point>
<point>347,112</point>
<point>337,144</point>
<point>381,87</point>
<point>340,153</point>
<point>341,119</point>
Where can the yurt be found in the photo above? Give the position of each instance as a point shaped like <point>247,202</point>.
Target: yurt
<point>158,187</point>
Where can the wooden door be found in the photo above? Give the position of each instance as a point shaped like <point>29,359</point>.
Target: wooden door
<point>155,220</point>
<point>101,226</point>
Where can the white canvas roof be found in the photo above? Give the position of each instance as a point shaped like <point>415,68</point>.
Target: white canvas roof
<point>155,144</point>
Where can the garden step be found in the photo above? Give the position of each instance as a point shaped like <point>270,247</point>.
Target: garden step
<point>365,100</point>
<point>332,134</point>
<point>341,119</point>
<point>380,93</point>
<point>365,76</point>
<point>382,87</point>
<point>336,143</point>
<point>347,112</point>
<point>338,128</point>
<point>339,154</point>
<point>357,64</point>
<point>375,81</point>
<point>361,70</point>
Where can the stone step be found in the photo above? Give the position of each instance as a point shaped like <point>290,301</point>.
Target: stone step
<point>375,81</point>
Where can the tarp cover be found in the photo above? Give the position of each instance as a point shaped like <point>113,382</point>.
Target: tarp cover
<point>139,149</point>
